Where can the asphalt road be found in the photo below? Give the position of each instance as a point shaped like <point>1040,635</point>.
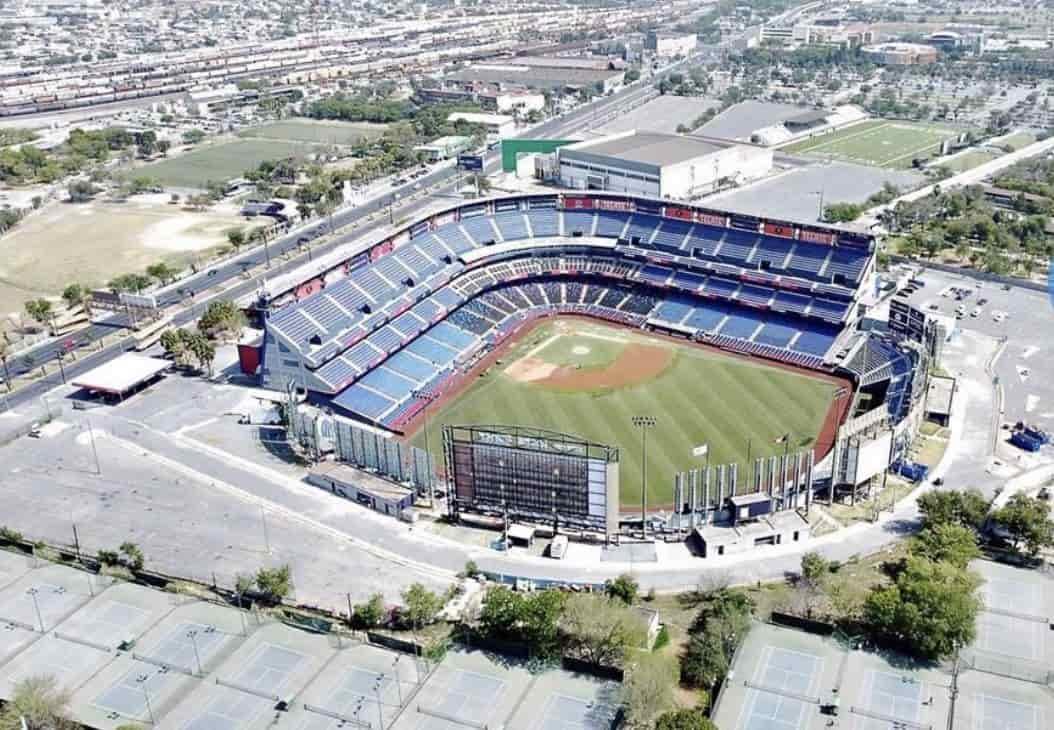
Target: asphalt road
<point>441,182</point>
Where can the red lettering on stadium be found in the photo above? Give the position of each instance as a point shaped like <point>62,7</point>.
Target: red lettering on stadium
<point>776,229</point>
<point>381,249</point>
<point>578,203</point>
<point>679,213</point>
<point>711,219</point>
<point>308,288</point>
<point>624,206</point>
<point>816,236</point>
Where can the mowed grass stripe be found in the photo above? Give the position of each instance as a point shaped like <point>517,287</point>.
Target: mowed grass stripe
<point>702,397</point>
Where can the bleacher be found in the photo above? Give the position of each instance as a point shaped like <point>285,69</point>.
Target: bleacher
<point>410,316</point>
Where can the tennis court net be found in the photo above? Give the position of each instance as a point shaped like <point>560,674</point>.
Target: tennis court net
<point>248,690</point>
<point>782,691</point>
<point>1014,614</point>
<point>895,722</point>
<point>451,718</point>
<point>84,642</point>
<point>167,666</point>
<point>336,716</point>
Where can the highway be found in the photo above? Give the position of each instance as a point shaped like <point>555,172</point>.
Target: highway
<point>205,284</point>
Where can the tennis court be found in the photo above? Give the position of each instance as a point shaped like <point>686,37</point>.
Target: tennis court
<point>1014,625</point>
<point>890,699</point>
<point>119,614</point>
<point>69,662</point>
<point>885,691</point>
<point>13,567</point>
<point>362,686</point>
<point>271,666</point>
<point>783,688</point>
<point>988,702</point>
<point>780,679</point>
<point>571,713</point>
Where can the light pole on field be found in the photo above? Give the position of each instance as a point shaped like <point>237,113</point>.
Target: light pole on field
<point>32,593</point>
<point>426,398</point>
<point>644,423</point>
<point>193,636</point>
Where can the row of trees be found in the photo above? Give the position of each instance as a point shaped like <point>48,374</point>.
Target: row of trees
<point>187,346</point>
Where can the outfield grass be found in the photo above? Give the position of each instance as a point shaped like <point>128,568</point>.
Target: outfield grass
<point>877,142</point>
<point>309,130</point>
<point>700,397</point>
<point>220,162</point>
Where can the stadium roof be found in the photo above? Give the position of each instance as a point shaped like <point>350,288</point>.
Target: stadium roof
<point>122,374</point>
<point>649,148</point>
<point>662,114</point>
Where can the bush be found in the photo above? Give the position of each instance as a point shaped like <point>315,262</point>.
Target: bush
<point>370,614</point>
<point>9,535</point>
<point>274,584</point>
<point>624,588</point>
<point>662,639</point>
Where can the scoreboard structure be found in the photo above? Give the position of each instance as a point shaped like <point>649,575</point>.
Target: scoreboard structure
<point>533,475</point>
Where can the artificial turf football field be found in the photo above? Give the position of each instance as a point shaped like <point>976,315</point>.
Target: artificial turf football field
<point>877,142</point>
<point>589,379</point>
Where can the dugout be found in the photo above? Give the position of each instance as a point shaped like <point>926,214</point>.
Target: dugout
<point>369,490</point>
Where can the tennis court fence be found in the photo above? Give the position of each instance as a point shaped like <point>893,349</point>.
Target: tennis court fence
<point>1005,666</point>
<point>451,718</point>
<point>19,624</point>
<point>1014,614</point>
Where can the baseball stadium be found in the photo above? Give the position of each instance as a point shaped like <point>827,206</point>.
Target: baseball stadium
<point>592,315</point>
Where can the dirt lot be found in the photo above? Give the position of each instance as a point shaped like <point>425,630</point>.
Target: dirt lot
<point>93,242</point>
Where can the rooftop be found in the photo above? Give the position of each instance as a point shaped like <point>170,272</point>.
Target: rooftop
<point>649,147</point>
<point>361,480</point>
<point>743,119</point>
<point>122,374</point>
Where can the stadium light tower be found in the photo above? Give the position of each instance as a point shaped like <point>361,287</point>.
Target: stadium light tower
<point>643,423</point>
<point>426,397</point>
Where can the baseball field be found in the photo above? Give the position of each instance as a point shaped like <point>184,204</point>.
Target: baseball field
<point>589,379</point>
<point>877,142</point>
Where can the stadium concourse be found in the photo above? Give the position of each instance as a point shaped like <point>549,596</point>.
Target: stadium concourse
<point>373,334</point>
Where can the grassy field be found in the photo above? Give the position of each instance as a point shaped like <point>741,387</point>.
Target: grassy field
<point>877,142</point>
<point>221,161</point>
<point>966,160</point>
<point>697,396</point>
<point>309,130</point>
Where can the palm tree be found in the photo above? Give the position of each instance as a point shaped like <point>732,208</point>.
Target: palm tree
<point>5,351</point>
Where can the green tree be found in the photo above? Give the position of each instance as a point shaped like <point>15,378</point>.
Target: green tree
<point>175,342</point>
<point>370,614</point>
<point>723,620</point>
<point>967,508</point>
<point>37,703</point>
<point>684,720</point>
<point>274,584</point>
<point>133,555</point>
<point>1026,523</point>
<point>930,611</point>
<point>203,350</point>
<point>623,588</point>
<point>193,136</point>
<point>236,238</point>
<point>40,310</point>
<point>647,690</point>
<point>601,630</point>
<point>74,295</point>
<point>532,619</point>
<point>162,272</point>
<point>949,542</point>
<point>812,580</point>
<point>129,283</point>
<point>842,212</point>
<point>81,191</point>
<point>221,317</point>
<point>420,605</point>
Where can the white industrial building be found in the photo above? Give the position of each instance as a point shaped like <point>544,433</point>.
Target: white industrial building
<point>670,45</point>
<point>670,166</point>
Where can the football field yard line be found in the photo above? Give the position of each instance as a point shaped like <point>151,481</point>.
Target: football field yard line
<point>837,140</point>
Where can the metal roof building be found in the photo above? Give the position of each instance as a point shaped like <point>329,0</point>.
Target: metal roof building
<point>659,165</point>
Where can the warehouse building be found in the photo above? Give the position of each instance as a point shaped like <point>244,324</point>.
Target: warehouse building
<point>670,45</point>
<point>498,126</point>
<point>660,165</point>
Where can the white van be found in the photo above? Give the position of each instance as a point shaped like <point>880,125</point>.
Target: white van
<point>558,547</point>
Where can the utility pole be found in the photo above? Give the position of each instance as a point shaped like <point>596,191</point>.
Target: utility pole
<point>644,422</point>
<point>427,398</point>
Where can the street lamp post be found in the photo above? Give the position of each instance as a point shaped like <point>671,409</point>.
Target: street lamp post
<point>377,686</point>
<point>192,635</point>
<point>32,592</point>
<point>141,681</point>
<point>644,423</point>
